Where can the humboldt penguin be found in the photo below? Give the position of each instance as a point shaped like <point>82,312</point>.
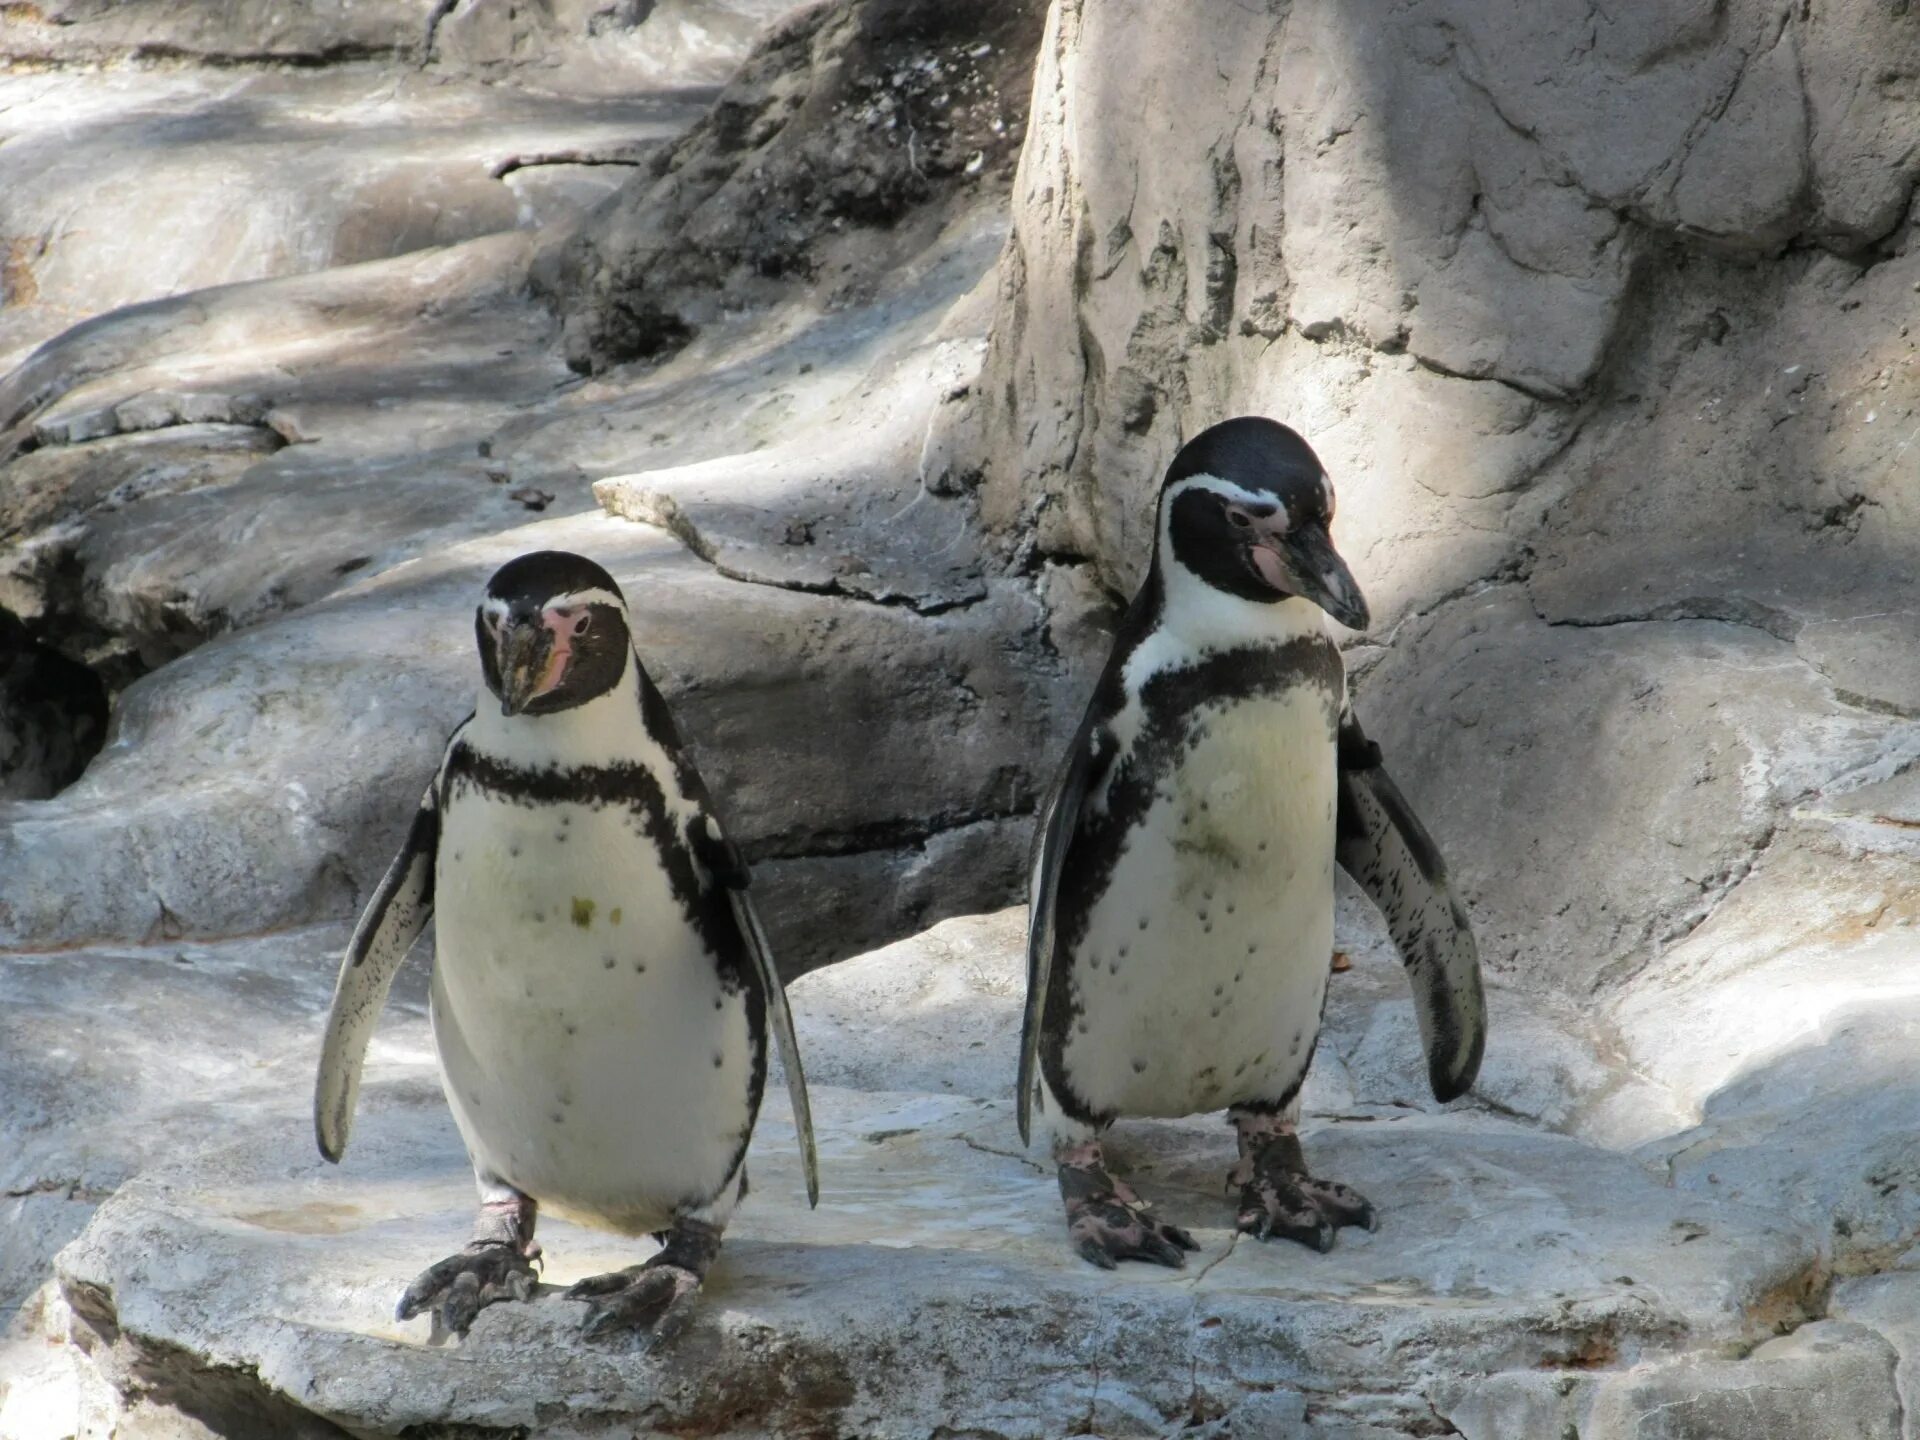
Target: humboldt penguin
<point>602,989</point>
<point>1182,875</point>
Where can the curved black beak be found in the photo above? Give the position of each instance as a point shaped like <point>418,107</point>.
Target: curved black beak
<point>525,646</point>
<point>1301,560</point>
<point>1322,576</point>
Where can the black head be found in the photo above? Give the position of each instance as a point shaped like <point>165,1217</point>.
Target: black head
<point>1248,509</point>
<point>552,633</point>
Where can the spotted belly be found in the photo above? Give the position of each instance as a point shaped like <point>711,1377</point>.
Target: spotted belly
<point>1201,972</point>
<point>592,1053</point>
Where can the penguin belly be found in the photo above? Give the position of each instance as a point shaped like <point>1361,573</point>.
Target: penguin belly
<point>591,1053</point>
<point>1203,970</point>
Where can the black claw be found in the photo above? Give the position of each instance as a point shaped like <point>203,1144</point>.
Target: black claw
<point>1106,1229</point>
<point>1094,1253</point>
<point>458,1288</point>
<point>595,1285</point>
<point>1279,1198</point>
<point>598,1323</point>
<point>1162,1251</point>
<point>654,1299</point>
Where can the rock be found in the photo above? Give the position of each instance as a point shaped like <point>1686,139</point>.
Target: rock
<point>232,1276</point>
<point>254,1280</point>
<point>288,170</point>
<point>1889,1304</point>
<point>183,466</point>
<point>594,48</point>
<point>1828,1379</point>
<point>810,1295</point>
<point>121,1058</point>
<point>952,998</point>
<point>1543,287</point>
<point>590,46</point>
<point>836,151</point>
<point>1595,318</point>
<point>253,30</point>
<point>1787,1022</point>
<point>218,855</point>
<point>837,500</point>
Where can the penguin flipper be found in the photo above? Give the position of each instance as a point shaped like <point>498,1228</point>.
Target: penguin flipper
<point>722,860</point>
<point>780,1022</point>
<point>1086,764</point>
<point>389,925</point>
<point>1381,843</point>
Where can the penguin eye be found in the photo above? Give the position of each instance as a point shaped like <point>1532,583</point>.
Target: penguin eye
<point>584,623</point>
<point>1240,519</point>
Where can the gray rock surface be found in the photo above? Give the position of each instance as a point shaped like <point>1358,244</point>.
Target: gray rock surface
<point>177,472</point>
<point>942,1255</point>
<point>1521,1281</point>
<point>256,516</point>
<point>1597,316</point>
<point>849,133</point>
<point>144,156</point>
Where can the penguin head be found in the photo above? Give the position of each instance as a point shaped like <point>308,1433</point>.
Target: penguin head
<point>552,632</point>
<point>1247,509</point>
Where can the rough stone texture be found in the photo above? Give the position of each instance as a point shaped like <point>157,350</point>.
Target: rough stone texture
<point>564,43</point>
<point>1598,318</point>
<point>156,147</point>
<point>256,516</point>
<point>1596,315</point>
<point>250,1284</point>
<point>850,131</point>
<point>285,790</point>
<point>986,1319</point>
<point>177,475</point>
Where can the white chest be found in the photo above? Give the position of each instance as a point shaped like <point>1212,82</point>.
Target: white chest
<point>590,1050</point>
<point>1203,967</point>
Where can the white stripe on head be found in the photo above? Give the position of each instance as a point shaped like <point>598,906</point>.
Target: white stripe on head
<point>1211,619</point>
<point>1196,620</point>
<point>574,599</point>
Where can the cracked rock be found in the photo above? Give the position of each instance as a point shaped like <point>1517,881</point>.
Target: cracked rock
<point>933,1286</point>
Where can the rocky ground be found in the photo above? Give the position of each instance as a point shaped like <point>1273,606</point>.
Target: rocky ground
<point>313,315</point>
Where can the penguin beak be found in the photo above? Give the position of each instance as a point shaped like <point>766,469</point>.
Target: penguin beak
<point>527,664</point>
<point>1324,578</point>
<point>1302,561</point>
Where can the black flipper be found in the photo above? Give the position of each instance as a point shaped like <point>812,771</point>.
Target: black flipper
<point>722,860</point>
<point>1384,847</point>
<point>1086,765</point>
<point>392,921</point>
<point>780,1022</point>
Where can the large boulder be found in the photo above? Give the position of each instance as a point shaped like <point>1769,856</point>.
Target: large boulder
<point>1599,322</point>
<point>1521,1283</point>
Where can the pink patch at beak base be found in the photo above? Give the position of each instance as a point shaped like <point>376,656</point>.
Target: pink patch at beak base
<point>1268,563</point>
<point>562,628</point>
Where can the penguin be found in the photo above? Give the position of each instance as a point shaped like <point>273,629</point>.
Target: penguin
<point>1181,881</point>
<point>602,988</point>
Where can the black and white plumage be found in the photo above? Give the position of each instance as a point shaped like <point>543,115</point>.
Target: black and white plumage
<point>602,991</point>
<point>1182,880</point>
